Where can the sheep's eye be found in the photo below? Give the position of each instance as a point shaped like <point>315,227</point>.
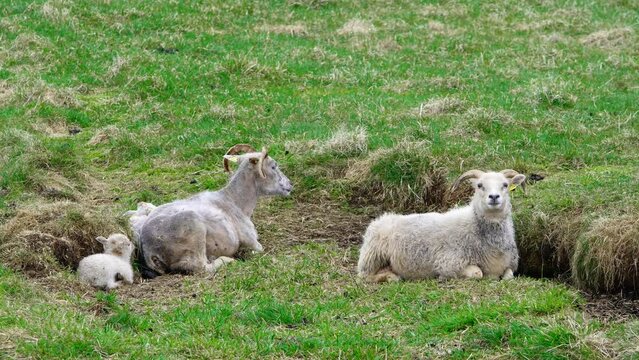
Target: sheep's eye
<point>479,186</point>
<point>505,184</point>
<point>273,167</point>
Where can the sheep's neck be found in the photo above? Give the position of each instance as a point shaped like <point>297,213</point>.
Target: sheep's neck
<point>491,226</point>
<point>242,191</point>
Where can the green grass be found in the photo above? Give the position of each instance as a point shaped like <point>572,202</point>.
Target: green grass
<point>104,104</point>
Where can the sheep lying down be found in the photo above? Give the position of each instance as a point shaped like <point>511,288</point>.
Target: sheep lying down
<point>108,270</point>
<point>473,241</point>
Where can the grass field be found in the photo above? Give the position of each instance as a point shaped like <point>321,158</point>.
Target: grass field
<point>368,106</point>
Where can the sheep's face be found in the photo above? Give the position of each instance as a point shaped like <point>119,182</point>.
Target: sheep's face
<point>117,244</point>
<point>492,190</point>
<point>274,181</point>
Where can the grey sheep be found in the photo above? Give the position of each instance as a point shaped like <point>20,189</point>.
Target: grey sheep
<point>203,232</point>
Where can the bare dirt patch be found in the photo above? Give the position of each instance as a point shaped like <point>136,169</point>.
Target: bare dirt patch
<point>311,222</point>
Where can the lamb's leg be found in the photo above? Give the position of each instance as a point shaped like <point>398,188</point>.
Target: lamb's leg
<point>472,272</point>
<point>508,274</point>
<point>112,284</point>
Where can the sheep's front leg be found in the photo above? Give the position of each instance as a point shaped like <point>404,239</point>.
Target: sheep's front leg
<point>508,274</point>
<point>215,265</point>
<point>385,275</point>
<point>472,272</point>
<point>248,238</point>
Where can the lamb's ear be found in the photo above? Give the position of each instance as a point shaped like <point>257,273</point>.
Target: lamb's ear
<point>102,240</point>
<point>129,213</point>
<point>519,179</point>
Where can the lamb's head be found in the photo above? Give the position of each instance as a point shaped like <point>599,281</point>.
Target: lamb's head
<point>491,190</point>
<point>144,209</point>
<point>117,244</point>
<point>270,180</point>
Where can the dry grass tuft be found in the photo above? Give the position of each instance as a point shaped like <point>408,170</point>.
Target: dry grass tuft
<point>6,92</point>
<point>439,106</point>
<point>403,178</point>
<point>610,39</point>
<point>342,143</point>
<point>546,243</point>
<point>55,129</point>
<point>46,237</point>
<point>297,29</point>
<point>56,12</point>
<point>345,142</point>
<point>40,92</point>
<point>605,258</point>
<point>476,121</point>
<point>356,27</point>
<point>550,92</point>
<point>103,135</point>
<point>119,63</point>
<point>452,10</point>
<point>224,112</point>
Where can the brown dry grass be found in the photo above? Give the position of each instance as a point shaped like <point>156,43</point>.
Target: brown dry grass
<point>609,39</point>
<point>297,29</point>
<point>342,142</point>
<point>439,106</point>
<point>546,243</point>
<point>356,27</point>
<point>46,237</point>
<point>411,180</point>
<point>605,258</point>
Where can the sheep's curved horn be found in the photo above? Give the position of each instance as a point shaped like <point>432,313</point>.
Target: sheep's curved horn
<point>236,149</point>
<point>470,174</point>
<point>260,163</point>
<point>510,173</point>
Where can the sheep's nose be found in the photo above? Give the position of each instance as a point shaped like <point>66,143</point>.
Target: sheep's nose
<point>493,197</point>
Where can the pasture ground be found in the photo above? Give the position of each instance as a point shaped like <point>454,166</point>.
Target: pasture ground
<point>369,106</point>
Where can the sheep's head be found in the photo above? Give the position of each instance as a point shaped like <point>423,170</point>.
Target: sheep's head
<point>270,179</point>
<point>491,188</point>
<point>117,244</point>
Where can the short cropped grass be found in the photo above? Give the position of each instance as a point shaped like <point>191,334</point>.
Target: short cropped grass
<point>369,106</point>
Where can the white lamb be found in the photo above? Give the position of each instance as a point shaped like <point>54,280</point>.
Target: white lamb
<point>138,217</point>
<point>471,241</point>
<point>108,270</point>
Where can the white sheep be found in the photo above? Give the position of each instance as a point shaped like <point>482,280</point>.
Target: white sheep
<point>203,232</point>
<point>138,217</point>
<point>472,241</point>
<point>108,270</point>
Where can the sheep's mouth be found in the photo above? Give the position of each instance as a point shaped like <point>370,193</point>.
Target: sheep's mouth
<point>494,204</point>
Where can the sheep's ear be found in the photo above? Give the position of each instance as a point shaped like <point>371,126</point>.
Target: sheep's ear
<point>232,158</point>
<point>519,179</point>
<point>129,213</point>
<point>102,240</point>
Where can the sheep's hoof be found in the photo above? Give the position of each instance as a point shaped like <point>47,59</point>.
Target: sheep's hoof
<point>508,275</point>
<point>221,261</point>
<point>473,272</point>
<point>386,276</point>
